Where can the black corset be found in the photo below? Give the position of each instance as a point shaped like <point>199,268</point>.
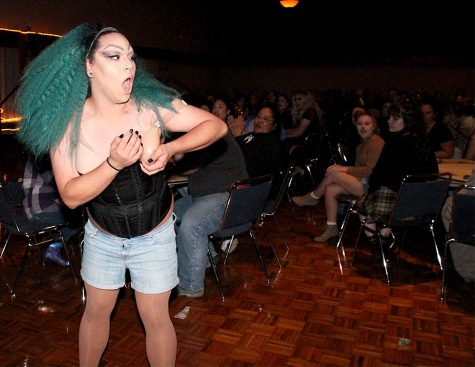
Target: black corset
<point>133,204</point>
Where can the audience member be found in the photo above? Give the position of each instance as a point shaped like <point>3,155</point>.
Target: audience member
<point>305,121</point>
<point>200,208</point>
<point>284,116</point>
<point>462,254</point>
<point>351,138</point>
<point>43,205</point>
<point>406,151</point>
<point>346,179</point>
<point>441,139</point>
<point>261,148</point>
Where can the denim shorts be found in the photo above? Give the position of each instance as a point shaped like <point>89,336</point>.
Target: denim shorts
<point>150,258</point>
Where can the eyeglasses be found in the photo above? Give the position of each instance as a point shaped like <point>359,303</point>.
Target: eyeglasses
<point>265,118</point>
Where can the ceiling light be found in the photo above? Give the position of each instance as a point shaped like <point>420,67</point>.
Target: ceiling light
<point>289,3</point>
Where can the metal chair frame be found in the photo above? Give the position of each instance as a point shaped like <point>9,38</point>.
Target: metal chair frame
<point>245,205</point>
<point>311,151</point>
<point>418,204</point>
<point>15,222</point>
<point>462,225</point>
<point>273,205</point>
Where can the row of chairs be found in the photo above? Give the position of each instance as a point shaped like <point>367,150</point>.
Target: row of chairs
<point>418,204</point>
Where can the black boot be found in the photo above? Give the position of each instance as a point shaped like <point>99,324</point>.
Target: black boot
<point>373,242</point>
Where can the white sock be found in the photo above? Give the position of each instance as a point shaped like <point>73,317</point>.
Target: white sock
<point>314,196</point>
<point>331,223</point>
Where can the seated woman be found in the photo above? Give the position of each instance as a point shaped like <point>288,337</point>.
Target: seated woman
<point>306,117</point>
<point>261,148</point>
<point>407,151</point>
<point>440,137</point>
<point>346,179</point>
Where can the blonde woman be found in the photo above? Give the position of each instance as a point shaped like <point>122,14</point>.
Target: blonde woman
<point>352,180</point>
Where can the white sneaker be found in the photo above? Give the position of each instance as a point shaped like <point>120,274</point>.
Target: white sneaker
<point>234,244</point>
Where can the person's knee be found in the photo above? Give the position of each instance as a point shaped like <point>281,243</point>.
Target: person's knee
<point>97,312</point>
<point>331,191</point>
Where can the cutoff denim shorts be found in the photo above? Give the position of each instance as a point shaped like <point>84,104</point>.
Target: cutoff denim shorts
<point>150,258</point>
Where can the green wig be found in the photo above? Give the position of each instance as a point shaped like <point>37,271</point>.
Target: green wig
<point>54,87</point>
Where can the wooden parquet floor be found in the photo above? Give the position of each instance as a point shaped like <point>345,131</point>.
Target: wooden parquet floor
<point>312,314</point>
<point>317,311</point>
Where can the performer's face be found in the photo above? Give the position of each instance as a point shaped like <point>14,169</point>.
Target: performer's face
<point>112,67</point>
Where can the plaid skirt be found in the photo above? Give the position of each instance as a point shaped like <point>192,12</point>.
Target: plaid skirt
<point>379,204</point>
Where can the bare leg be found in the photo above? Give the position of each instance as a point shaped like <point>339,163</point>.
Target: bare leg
<point>348,182</point>
<point>331,203</point>
<point>95,324</point>
<point>160,332</point>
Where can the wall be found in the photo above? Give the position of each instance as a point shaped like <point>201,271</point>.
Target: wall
<point>191,29</point>
<point>411,78</point>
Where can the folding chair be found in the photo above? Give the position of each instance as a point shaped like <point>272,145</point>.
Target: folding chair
<point>273,205</point>
<point>462,225</point>
<point>418,204</point>
<point>14,221</point>
<point>351,203</point>
<point>311,153</point>
<point>246,202</point>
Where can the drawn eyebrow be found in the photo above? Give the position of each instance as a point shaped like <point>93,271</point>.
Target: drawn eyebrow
<point>113,45</point>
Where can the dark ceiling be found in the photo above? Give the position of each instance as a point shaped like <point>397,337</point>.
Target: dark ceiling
<point>262,30</point>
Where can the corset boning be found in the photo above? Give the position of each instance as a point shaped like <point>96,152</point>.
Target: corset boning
<point>133,204</point>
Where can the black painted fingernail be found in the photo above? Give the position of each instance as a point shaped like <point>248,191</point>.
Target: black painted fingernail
<point>121,135</point>
<point>136,132</point>
<point>141,144</point>
<point>140,136</point>
<point>131,130</point>
<point>150,160</point>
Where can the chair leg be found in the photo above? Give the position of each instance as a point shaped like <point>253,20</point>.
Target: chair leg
<point>6,242</point>
<point>20,271</point>
<point>215,272</point>
<point>431,227</point>
<point>228,248</point>
<point>443,290</point>
<point>269,239</point>
<point>345,223</point>
<point>71,266</point>
<point>385,262</point>
<point>309,170</point>
<point>259,256</point>
<point>281,235</point>
<point>357,242</point>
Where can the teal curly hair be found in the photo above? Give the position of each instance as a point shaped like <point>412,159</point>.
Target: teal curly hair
<point>54,87</point>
